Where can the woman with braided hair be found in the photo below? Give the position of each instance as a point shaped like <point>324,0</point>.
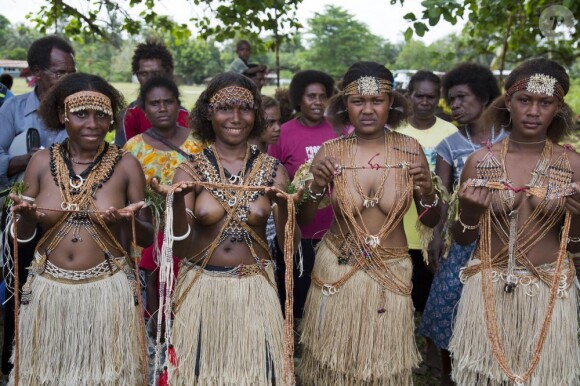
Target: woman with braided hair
<point>79,319</point>
<point>228,325</point>
<point>517,321</point>
<point>358,319</point>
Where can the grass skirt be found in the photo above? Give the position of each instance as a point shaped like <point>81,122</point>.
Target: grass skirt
<point>346,340</point>
<point>519,319</point>
<point>228,330</point>
<point>84,333</point>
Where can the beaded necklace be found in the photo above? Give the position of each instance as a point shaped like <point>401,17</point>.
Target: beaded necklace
<point>78,198</point>
<point>234,179</point>
<point>551,181</point>
<point>368,202</point>
<point>367,252</point>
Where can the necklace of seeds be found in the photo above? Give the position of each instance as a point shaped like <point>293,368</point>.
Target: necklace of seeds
<point>370,254</point>
<point>78,197</point>
<point>544,217</point>
<point>368,202</point>
<point>197,171</point>
<point>237,179</point>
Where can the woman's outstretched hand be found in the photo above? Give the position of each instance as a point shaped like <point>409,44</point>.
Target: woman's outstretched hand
<point>114,215</point>
<point>277,196</point>
<point>25,209</point>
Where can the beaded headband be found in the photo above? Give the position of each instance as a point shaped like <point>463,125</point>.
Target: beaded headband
<point>368,85</point>
<point>538,84</point>
<point>232,95</point>
<point>88,100</point>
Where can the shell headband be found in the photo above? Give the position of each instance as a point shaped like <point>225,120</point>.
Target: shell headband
<point>88,100</point>
<point>538,84</point>
<point>233,95</point>
<point>368,85</point>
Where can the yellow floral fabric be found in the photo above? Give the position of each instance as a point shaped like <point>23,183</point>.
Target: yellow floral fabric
<point>161,163</point>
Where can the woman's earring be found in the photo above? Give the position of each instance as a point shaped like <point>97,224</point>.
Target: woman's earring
<point>509,123</point>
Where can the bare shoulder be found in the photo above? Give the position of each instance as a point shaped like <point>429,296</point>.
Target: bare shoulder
<point>129,161</point>
<point>40,158</point>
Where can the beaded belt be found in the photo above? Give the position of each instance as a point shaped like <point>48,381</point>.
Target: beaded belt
<point>238,271</point>
<point>102,269</point>
<point>41,266</point>
<point>527,280</point>
<point>343,248</point>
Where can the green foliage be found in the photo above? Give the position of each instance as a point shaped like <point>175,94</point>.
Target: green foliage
<point>103,19</point>
<point>506,29</point>
<point>17,53</point>
<point>573,96</point>
<point>94,57</point>
<point>15,39</point>
<point>338,40</point>
<point>197,59</point>
<point>439,55</point>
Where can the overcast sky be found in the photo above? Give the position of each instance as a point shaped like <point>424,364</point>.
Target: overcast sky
<point>383,19</point>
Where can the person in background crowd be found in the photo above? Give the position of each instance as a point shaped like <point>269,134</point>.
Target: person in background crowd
<point>258,76</point>
<point>5,94</point>
<point>7,80</point>
<point>300,139</point>
<point>151,59</point>
<point>240,65</point>
<point>425,127</point>
<point>268,137</point>
<point>160,150</point>
<point>282,95</point>
<point>469,89</point>
<point>49,59</point>
<point>271,134</point>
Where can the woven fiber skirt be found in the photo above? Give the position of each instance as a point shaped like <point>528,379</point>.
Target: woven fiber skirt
<point>79,328</point>
<point>361,335</point>
<point>520,315</point>
<point>228,330</point>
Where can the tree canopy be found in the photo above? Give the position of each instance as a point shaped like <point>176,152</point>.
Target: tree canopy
<point>337,40</point>
<point>509,30</point>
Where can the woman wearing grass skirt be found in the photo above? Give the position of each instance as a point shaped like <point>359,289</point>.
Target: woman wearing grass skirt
<point>80,321</point>
<point>228,325</point>
<point>358,321</point>
<point>517,320</point>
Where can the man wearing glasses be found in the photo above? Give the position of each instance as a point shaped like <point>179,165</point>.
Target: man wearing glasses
<point>150,59</point>
<point>49,59</point>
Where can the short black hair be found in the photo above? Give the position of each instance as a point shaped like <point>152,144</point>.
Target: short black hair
<point>53,102</point>
<point>303,79</point>
<point>39,51</point>
<point>241,43</point>
<point>158,82</point>
<point>7,80</point>
<point>423,76</point>
<point>200,117</point>
<point>268,102</point>
<point>282,95</point>
<point>337,112</point>
<point>152,49</point>
<point>562,124</point>
<point>478,78</point>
